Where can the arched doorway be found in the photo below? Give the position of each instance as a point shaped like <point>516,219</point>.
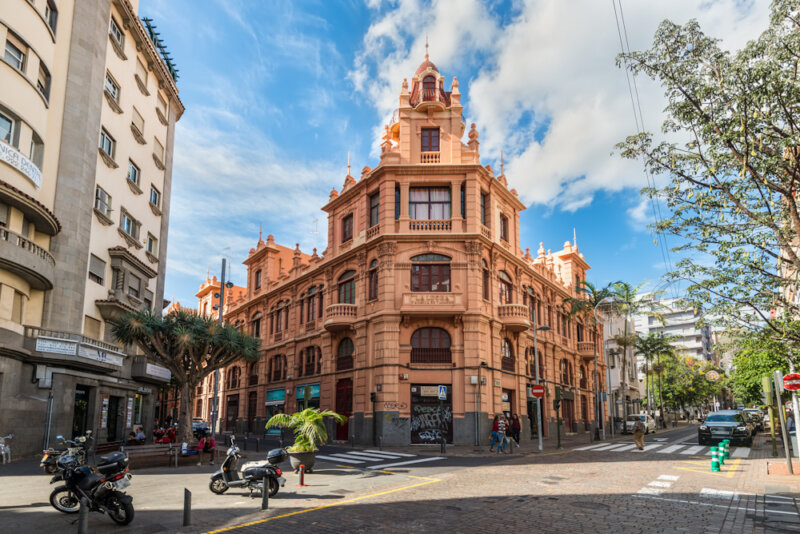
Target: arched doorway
<point>344,406</point>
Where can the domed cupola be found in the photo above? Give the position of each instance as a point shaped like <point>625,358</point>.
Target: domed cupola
<point>427,86</point>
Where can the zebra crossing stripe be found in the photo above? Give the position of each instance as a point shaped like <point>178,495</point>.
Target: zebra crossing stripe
<point>392,452</point>
<point>337,459</point>
<point>397,464</point>
<point>740,452</point>
<point>609,447</point>
<point>384,455</point>
<point>593,446</point>
<point>651,446</point>
<point>693,450</point>
<point>671,448</point>
<point>358,457</point>
<point>625,448</point>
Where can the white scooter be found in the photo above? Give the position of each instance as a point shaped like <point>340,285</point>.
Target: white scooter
<point>251,475</point>
<point>5,450</point>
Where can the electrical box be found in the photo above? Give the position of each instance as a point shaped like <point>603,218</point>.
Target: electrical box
<point>473,380</point>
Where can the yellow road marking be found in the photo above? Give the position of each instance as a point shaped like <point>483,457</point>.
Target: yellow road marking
<point>386,472</point>
<point>298,512</point>
<point>726,470</point>
<point>345,466</point>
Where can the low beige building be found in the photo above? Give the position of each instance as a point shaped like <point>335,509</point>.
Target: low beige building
<point>87,113</point>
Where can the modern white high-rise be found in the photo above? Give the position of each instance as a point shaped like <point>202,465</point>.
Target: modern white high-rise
<point>680,323</point>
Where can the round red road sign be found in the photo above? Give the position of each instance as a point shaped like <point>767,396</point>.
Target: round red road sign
<point>792,382</point>
<point>537,390</point>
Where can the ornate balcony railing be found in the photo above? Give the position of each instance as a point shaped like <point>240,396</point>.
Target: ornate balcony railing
<point>486,232</point>
<point>25,243</point>
<point>372,232</point>
<point>430,157</point>
<point>586,348</point>
<point>431,356</point>
<point>344,363</point>
<point>430,225</point>
<point>508,364</point>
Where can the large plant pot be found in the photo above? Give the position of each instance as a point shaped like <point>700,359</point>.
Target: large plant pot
<point>302,458</point>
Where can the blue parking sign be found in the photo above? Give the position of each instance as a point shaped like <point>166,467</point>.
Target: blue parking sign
<point>442,392</point>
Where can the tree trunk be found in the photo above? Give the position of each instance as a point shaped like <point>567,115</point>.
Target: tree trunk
<point>185,413</point>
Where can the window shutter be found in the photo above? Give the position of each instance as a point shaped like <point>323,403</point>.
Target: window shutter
<point>97,267</point>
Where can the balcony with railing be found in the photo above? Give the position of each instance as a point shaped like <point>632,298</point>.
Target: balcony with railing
<point>26,259</point>
<point>373,231</point>
<point>344,363</point>
<point>146,371</point>
<point>429,157</point>
<point>429,355</point>
<point>586,349</point>
<point>340,316</point>
<point>73,350</point>
<point>515,317</point>
<point>430,225</point>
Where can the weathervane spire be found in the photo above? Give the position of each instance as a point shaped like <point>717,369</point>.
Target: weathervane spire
<point>348,164</point>
<point>426,46</point>
<point>574,238</point>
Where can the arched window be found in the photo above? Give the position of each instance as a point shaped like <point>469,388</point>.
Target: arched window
<point>347,288</point>
<point>429,88</point>
<point>430,345</point>
<point>232,378</point>
<point>252,374</point>
<point>507,353</point>
<point>277,368</point>
<point>505,287</point>
<point>373,280</point>
<point>430,273</point>
<point>582,376</point>
<point>485,268</point>
<point>344,354</point>
<point>255,325</point>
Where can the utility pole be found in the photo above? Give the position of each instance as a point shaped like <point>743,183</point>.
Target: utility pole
<point>214,407</point>
<point>536,328</point>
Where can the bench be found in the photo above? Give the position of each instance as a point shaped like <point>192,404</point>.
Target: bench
<point>105,448</point>
<point>160,454</point>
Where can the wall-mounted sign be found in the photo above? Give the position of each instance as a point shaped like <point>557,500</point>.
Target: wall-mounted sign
<point>55,347</point>
<point>14,157</point>
<point>92,353</point>
<point>143,390</point>
<point>129,414</point>
<point>157,371</point>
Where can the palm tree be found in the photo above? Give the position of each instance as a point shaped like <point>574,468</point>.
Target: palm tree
<point>189,345</point>
<point>584,304</point>
<point>630,303</point>
<point>308,427</point>
<point>654,346</point>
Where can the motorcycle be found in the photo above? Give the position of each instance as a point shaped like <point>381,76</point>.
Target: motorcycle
<point>77,447</point>
<point>102,487</point>
<point>5,450</point>
<point>252,473</point>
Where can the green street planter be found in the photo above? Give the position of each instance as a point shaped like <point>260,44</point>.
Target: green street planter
<point>296,459</point>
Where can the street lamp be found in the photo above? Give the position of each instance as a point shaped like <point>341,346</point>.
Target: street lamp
<point>603,311</point>
<point>478,417</point>
<point>221,305</point>
<point>537,328</point>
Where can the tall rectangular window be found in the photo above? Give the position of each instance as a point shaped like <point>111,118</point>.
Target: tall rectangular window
<point>426,203</point>
<point>97,269</point>
<point>347,228</point>
<point>17,307</point>
<point>158,149</point>
<point>463,201</point>
<point>91,327</point>
<point>14,55</point>
<point>51,15</point>
<point>162,105</point>
<point>6,129</point>
<point>503,227</point>
<point>129,225</point>
<point>138,121</point>
<point>43,81</point>
<point>134,285</point>
<point>257,281</point>
<point>112,87</point>
<point>115,32</point>
<point>107,143</point>
<point>155,197</point>
<point>133,172</point>
<point>152,244</point>
<point>484,205</point>
<point>430,139</point>
<point>430,277</point>
<point>141,71</point>
<point>374,209</point>
<point>102,201</point>
<point>396,202</point>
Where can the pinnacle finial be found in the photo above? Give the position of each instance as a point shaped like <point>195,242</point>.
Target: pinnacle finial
<point>426,46</point>
<point>259,231</point>
<point>574,238</point>
<point>348,164</point>
<point>502,165</point>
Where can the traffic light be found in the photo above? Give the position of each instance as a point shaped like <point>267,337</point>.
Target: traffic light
<point>556,404</point>
<point>373,396</point>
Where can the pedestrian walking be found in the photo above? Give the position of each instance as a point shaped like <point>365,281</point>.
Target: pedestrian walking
<point>495,436</point>
<point>638,434</point>
<point>515,429</point>
<point>502,429</point>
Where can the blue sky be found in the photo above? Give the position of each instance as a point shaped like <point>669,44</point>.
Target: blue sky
<point>278,93</point>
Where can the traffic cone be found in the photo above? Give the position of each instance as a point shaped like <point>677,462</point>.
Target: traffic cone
<point>714,460</point>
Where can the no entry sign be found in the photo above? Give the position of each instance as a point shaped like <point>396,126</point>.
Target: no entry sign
<point>537,390</point>
<point>791,382</point>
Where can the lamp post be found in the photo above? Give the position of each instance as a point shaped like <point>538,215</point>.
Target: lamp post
<point>604,310</point>
<point>478,409</point>
<point>215,405</point>
<point>536,328</point>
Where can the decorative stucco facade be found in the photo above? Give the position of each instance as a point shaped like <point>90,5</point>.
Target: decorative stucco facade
<point>87,114</point>
<point>423,283</point>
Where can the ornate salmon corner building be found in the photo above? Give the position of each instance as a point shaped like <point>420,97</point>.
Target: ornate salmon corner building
<point>423,284</point>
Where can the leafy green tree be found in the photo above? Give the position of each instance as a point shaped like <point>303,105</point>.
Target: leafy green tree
<point>733,174</point>
<point>758,356</point>
<point>189,345</point>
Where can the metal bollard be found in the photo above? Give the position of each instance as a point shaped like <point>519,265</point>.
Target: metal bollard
<point>380,443</point>
<point>444,444</point>
<point>302,476</point>
<point>83,517</point>
<point>264,493</point>
<point>187,507</point>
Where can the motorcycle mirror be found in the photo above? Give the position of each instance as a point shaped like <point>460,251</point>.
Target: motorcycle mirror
<point>59,437</point>
<point>88,432</point>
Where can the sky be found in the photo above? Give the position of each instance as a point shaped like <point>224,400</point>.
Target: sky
<point>278,93</point>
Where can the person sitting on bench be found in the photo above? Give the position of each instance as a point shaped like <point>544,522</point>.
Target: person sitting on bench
<point>207,445</point>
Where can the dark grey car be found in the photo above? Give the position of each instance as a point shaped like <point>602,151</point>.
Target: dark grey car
<point>725,424</point>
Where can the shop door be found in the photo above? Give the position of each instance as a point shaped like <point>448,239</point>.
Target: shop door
<point>80,411</point>
<point>568,414</point>
<point>429,422</point>
<point>344,406</point>
<point>252,406</point>
<point>532,415</point>
<point>232,412</point>
<point>114,407</point>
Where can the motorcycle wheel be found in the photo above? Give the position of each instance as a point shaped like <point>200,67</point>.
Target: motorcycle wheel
<point>120,511</point>
<point>273,487</point>
<point>218,486</point>
<point>64,500</point>
<point>50,468</point>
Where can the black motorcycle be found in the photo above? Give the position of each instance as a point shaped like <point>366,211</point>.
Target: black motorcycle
<point>76,447</point>
<point>102,487</point>
<point>252,473</point>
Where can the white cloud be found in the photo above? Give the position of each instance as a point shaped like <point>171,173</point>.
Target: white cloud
<point>549,69</point>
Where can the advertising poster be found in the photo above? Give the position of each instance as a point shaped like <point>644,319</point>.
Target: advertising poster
<point>129,414</point>
<point>104,413</point>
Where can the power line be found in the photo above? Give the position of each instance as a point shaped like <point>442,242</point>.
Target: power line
<point>636,105</point>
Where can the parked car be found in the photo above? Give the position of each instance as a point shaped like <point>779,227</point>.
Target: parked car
<point>725,424</point>
<point>648,422</point>
<point>756,416</point>
<point>199,428</point>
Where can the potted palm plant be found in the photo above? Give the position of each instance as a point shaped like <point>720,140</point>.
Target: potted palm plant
<point>309,434</point>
